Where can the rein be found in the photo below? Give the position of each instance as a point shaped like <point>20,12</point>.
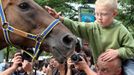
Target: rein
<point>6,27</point>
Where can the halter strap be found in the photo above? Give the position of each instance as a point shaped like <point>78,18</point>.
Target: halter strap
<point>3,20</point>
<point>38,38</point>
<point>42,36</point>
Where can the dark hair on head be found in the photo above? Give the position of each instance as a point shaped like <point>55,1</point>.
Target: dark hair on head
<point>87,51</point>
<point>26,56</point>
<point>78,45</point>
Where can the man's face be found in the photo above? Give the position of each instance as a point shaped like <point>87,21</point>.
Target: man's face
<point>27,66</point>
<point>106,69</point>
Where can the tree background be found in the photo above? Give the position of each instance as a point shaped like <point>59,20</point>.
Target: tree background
<point>125,14</point>
<point>63,6</point>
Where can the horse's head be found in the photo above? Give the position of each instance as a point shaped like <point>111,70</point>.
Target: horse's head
<point>28,16</point>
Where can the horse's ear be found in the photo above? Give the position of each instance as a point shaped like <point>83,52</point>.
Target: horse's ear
<point>5,3</point>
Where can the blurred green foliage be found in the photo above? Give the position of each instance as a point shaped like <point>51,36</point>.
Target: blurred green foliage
<point>63,6</point>
<point>126,14</point>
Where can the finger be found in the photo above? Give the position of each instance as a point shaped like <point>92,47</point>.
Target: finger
<point>105,58</point>
<point>108,58</point>
<point>104,55</point>
<point>47,7</point>
<point>17,54</point>
<point>82,58</point>
<point>59,13</point>
<point>17,57</point>
<point>17,61</point>
<point>50,9</point>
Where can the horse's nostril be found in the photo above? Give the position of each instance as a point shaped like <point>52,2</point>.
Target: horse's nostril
<point>68,39</point>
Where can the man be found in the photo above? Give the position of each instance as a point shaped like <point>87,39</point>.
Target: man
<point>21,65</point>
<point>109,68</point>
<point>112,67</point>
<point>16,61</point>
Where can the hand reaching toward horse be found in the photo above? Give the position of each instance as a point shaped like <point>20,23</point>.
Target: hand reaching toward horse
<point>52,12</point>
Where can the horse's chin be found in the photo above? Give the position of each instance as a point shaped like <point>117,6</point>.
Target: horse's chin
<point>61,54</point>
<point>60,57</point>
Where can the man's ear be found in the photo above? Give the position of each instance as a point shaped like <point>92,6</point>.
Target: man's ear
<point>119,71</point>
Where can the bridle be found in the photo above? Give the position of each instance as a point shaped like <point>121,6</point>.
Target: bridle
<point>6,27</point>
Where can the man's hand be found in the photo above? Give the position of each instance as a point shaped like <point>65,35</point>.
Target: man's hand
<point>27,66</point>
<point>109,55</point>
<point>69,63</point>
<point>16,60</point>
<point>82,65</point>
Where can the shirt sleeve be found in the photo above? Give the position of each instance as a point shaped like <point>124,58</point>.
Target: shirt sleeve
<point>80,29</point>
<point>126,51</point>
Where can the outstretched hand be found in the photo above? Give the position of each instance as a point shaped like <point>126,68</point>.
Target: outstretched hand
<point>52,12</point>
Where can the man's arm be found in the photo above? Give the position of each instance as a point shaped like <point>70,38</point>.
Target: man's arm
<point>16,60</point>
<point>88,71</point>
<point>127,49</point>
<point>8,71</point>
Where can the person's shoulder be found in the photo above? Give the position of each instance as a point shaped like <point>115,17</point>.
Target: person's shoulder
<point>118,25</point>
<point>117,22</point>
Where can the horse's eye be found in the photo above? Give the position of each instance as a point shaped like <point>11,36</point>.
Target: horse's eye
<point>24,6</point>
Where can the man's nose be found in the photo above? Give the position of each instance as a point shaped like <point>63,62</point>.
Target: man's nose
<point>99,73</point>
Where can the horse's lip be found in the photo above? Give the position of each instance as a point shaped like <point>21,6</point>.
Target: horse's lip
<point>59,52</point>
<point>70,53</point>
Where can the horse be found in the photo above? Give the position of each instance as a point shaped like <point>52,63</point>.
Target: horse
<point>25,26</point>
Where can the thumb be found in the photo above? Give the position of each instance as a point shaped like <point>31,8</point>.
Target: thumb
<point>59,13</point>
<point>47,7</point>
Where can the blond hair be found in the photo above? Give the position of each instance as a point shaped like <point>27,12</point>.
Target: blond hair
<point>108,3</point>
